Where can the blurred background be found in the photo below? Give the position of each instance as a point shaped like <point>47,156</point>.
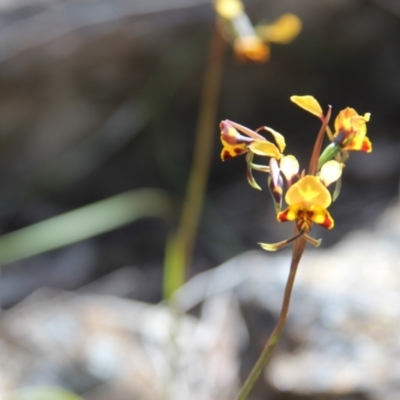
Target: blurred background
<point>99,102</point>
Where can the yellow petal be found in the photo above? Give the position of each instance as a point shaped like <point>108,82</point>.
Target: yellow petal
<point>290,214</point>
<point>331,172</point>
<point>308,103</point>
<point>322,217</point>
<point>343,119</point>
<point>360,144</point>
<point>310,191</point>
<point>279,138</point>
<point>282,31</point>
<point>289,166</point>
<point>265,148</point>
<point>228,9</point>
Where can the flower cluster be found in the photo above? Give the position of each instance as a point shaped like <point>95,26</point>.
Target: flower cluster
<point>306,194</point>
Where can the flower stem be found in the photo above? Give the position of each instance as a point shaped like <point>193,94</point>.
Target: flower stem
<point>181,243</point>
<point>315,155</point>
<point>273,339</point>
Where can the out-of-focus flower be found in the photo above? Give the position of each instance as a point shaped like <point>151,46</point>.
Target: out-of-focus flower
<point>282,31</point>
<point>249,43</point>
<point>228,9</point>
<point>251,48</point>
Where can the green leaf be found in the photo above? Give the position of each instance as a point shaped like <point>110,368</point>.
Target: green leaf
<point>43,393</point>
<point>84,223</point>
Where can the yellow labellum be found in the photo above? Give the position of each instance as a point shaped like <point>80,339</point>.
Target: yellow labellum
<point>309,190</point>
<point>308,103</point>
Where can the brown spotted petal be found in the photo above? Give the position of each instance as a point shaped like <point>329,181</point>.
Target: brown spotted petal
<point>234,144</point>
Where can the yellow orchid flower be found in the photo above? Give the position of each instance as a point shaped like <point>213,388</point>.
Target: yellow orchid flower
<point>308,200</point>
<point>250,43</point>
<point>235,144</point>
<point>351,130</point>
<point>306,196</point>
<point>236,27</point>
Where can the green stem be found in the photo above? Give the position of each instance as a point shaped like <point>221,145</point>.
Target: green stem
<point>273,340</point>
<point>183,240</point>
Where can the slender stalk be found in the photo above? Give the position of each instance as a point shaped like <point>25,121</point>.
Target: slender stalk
<point>313,166</point>
<point>183,240</point>
<point>273,339</point>
<point>203,144</point>
<point>298,249</point>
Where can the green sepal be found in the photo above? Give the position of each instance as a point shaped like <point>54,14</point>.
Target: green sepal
<point>328,154</point>
<point>249,172</point>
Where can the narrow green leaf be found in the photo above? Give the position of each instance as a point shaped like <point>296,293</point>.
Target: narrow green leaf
<point>84,223</point>
<point>43,393</point>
